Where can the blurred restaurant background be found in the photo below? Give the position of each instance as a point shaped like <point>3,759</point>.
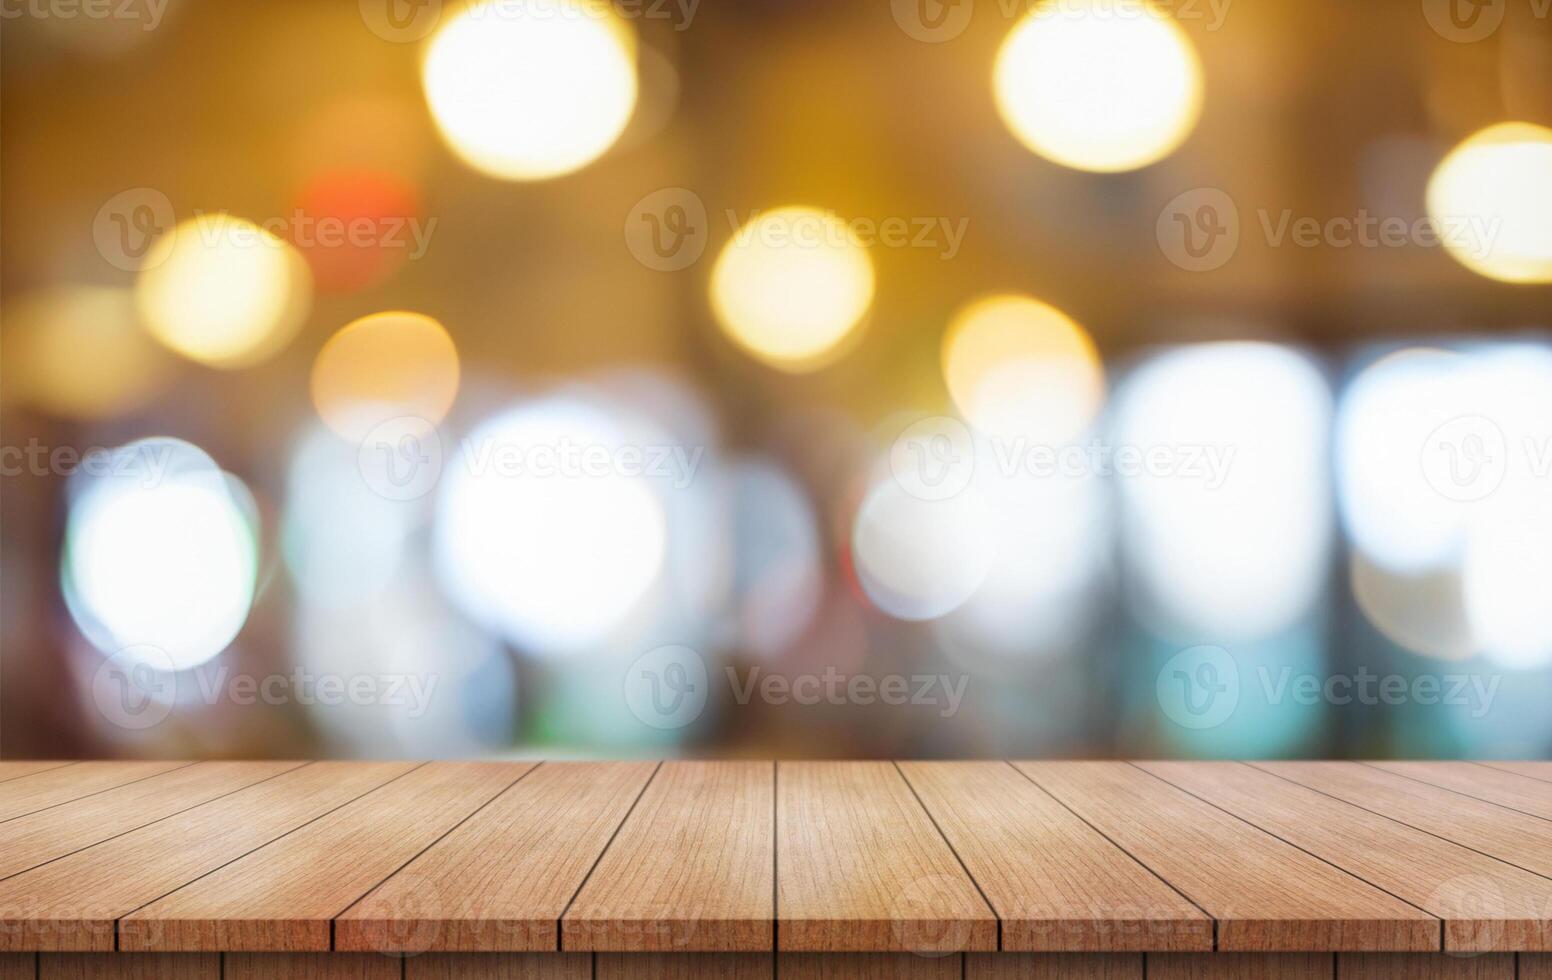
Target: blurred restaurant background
<point>890,378</point>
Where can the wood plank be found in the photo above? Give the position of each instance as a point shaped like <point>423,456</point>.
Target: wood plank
<point>15,769</point>
<point>868,966</point>
<point>500,966</point>
<point>1424,966</point>
<point>112,966</point>
<point>308,966</point>
<point>1053,881</point>
<point>1534,770</point>
<point>1535,966</point>
<point>462,894</point>
<point>71,904</point>
<point>37,838</point>
<point>55,786</point>
<point>691,869</point>
<point>860,867</point>
<point>283,896</point>
<point>1486,905</point>
<point>1512,790</point>
<point>1053,966</point>
<point>1506,834</point>
<point>18,966</point>
<point>1241,966</point>
<point>683,966</point>
<point>1267,895</point>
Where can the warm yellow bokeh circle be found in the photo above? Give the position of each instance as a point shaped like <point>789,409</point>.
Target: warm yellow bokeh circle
<point>383,367</point>
<point>223,291</point>
<point>1490,199</point>
<point>791,285</point>
<point>1098,85</point>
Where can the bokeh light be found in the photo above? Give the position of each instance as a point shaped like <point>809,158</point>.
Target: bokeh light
<point>537,539</point>
<point>385,366</point>
<point>363,224</point>
<point>791,285</point>
<point>78,352</point>
<point>1491,198</point>
<point>1098,86</point>
<point>920,559</point>
<point>1017,367</point>
<point>1228,516</point>
<point>223,291</point>
<point>530,89</point>
<point>160,552</point>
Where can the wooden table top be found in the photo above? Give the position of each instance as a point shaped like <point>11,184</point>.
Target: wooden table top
<point>795,857</point>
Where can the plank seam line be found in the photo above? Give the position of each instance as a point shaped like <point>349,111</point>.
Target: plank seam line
<point>169,816</point>
<point>106,789</point>
<point>950,844</point>
<point>1448,789</point>
<point>776,868</point>
<point>1451,840</point>
<point>123,915</point>
<point>1139,862</point>
<point>1498,768</point>
<point>1351,874</point>
<point>560,938</point>
<point>463,820</point>
<point>36,772</point>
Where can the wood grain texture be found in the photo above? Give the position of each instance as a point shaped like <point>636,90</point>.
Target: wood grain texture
<point>1053,881</point>
<point>462,894</point>
<point>16,769</point>
<point>868,966</point>
<point>112,966</point>
<point>500,966</point>
<point>1424,966</point>
<point>52,787</point>
<point>1053,966</point>
<point>1533,770</point>
<point>71,904</point>
<point>1486,905</point>
<point>1506,834</point>
<point>1535,966</point>
<point>860,866</point>
<point>18,966</point>
<point>1522,793</point>
<point>691,869</point>
<point>309,966</point>
<point>1267,895</point>
<point>683,966</point>
<point>29,841</point>
<point>282,897</point>
<point>1241,966</point>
